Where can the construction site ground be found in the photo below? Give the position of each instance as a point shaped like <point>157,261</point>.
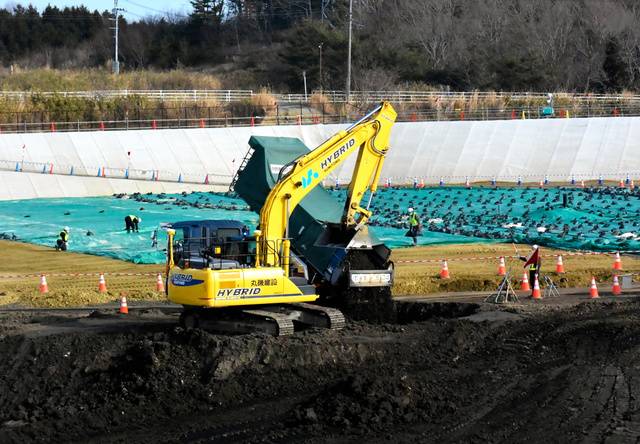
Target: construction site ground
<point>451,368</point>
<point>73,278</point>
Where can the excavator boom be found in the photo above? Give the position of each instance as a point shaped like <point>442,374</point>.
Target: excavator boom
<point>370,137</point>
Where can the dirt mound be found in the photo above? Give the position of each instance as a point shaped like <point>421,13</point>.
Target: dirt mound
<point>373,305</point>
<point>363,401</point>
<point>407,312</point>
<point>562,374</point>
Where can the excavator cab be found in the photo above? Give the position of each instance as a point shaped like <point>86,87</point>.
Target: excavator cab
<point>214,244</point>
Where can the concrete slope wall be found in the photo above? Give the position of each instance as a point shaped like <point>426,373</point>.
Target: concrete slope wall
<point>532,149</point>
<point>14,186</point>
<point>479,150</point>
<point>196,152</point>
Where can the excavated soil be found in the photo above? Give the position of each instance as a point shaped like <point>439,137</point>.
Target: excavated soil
<point>457,373</point>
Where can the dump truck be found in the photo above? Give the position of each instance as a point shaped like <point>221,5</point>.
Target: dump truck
<point>305,247</point>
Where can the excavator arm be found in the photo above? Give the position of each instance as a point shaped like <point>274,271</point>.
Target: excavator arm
<point>370,137</point>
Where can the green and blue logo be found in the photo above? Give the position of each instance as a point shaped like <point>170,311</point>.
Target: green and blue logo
<point>306,181</point>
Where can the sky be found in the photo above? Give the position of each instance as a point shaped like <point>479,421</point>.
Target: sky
<point>135,9</point>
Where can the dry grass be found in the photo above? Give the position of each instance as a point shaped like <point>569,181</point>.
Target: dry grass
<point>411,279</point>
<point>69,290</point>
<point>263,99</point>
<point>100,79</point>
<point>474,101</point>
<point>419,279</point>
<point>321,103</point>
<point>60,108</point>
<point>57,108</point>
<point>263,104</point>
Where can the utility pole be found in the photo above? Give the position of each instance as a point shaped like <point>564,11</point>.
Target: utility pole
<point>349,52</point>
<point>320,76</point>
<point>304,79</point>
<point>116,13</point>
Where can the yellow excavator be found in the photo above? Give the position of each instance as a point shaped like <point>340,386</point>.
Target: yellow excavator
<point>236,282</point>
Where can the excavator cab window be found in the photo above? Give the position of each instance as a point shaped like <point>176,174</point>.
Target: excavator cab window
<point>178,247</point>
<point>204,237</point>
<point>213,244</point>
<point>229,244</point>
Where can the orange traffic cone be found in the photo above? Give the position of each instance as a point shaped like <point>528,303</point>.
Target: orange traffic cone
<point>159,283</point>
<point>559,265</point>
<point>621,184</point>
<point>617,264</point>
<point>541,184</point>
<point>582,184</point>
<point>616,290</point>
<point>502,269</point>
<point>124,309</point>
<point>536,289</point>
<point>593,291</point>
<point>44,288</point>
<point>467,184</point>
<point>102,284</point>
<point>444,271</point>
<point>524,286</point>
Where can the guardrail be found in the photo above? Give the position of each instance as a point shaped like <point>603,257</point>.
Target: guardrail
<point>236,95</point>
<point>106,171</point>
<point>432,96</point>
<point>551,179</point>
<point>275,118</point>
<point>227,95</point>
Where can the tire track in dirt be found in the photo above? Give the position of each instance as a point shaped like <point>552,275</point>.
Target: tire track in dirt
<point>567,375</point>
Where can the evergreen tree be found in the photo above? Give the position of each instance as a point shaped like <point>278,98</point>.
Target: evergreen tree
<point>614,67</point>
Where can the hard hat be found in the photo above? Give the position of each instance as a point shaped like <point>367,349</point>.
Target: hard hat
<point>410,210</point>
<point>66,229</point>
<point>534,247</point>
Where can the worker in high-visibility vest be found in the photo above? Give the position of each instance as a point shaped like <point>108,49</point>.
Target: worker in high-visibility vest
<point>415,227</point>
<point>61,243</point>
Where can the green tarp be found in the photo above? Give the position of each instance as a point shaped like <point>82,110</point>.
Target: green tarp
<point>260,174</point>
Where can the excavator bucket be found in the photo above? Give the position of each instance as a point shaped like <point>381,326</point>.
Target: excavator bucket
<point>335,236</point>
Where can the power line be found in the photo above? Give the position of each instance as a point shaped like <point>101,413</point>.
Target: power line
<point>157,11</point>
<point>141,17</point>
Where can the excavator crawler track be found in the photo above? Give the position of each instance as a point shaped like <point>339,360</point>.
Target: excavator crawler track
<point>334,317</point>
<point>237,321</point>
<point>309,315</point>
<point>283,325</point>
<point>275,320</point>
